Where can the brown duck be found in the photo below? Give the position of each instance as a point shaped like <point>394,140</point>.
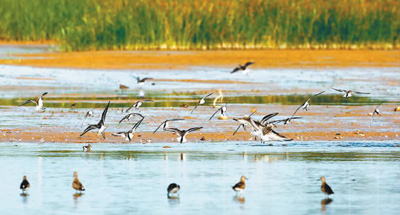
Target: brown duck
<point>325,188</point>
<point>76,184</point>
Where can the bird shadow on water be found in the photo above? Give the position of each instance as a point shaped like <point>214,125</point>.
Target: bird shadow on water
<point>324,203</point>
<point>174,200</point>
<point>24,197</point>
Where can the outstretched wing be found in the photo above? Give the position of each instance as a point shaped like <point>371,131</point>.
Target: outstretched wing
<point>296,111</point>
<point>147,78</point>
<point>248,64</point>
<point>315,95</point>
<point>238,129</point>
<point>219,109</point>
<point>339,90</point>
<point>194,129</point>
<point>28,101</point>
<point>235,70</point>
<point>358,92</point>
<point>119,134</point>
<point>194,108</point>
<point>103,116</point>
<point>90,127</point>
<point>159,126</point>
<point>126,117</point>
<point>204,97</point>
<point>267,117</point>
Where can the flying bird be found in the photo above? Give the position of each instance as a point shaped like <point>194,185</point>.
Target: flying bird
<point>89,113</point>
<point>376,112</point>
<point>165,124</point>
<point>137,105</point>
<point>223,113</point>
<point>128,135</point>
<point>348,93</point>
<point>182,133</point>
<point>243,68</point>
<point>141,81</point>
<point>201,101</point>
<point>305,105</point>
<point>131,115</point>
<point>38,102</point>
<point>101,125</point>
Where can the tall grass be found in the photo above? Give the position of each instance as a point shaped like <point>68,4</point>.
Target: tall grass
<point>207,24</point>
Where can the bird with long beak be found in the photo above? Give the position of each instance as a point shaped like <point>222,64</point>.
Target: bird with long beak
<point>76,184</point>
<point>100,125</point>
<point>239,187</point>
<point>38,102</point>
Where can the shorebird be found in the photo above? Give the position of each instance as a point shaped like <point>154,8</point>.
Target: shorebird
<point>137,105</point>
<point>173,189</point>
<point>243,68</point>
<point>141,81</point>
<point>128,135</point>
<point>24,184</point>
<point>165,124</point>
<point>122,87</point>
<point>305,106</point>
<point>76,184</point>
<point>245,122</point>
<point>325,188</point>
<point>89,113</point>
<point>201,101</point>
<point>87,148</point>
<point>239,187</point>
<point>265,131</point>
<point>38,102</point>
<point>182,133</point>
<point>376,112</point>
<point>223,113</point>
<point>131,115</point>
<point>101,125</point>
<point>347,93</point>
<point>286,120</point>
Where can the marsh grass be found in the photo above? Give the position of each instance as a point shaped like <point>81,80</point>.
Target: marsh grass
<point>210,24</point>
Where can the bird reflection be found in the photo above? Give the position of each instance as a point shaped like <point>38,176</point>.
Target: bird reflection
<point>77,195</point>
<point>141,93</point>
<point>183,156</point>
<point>24,197</point>
<point>324,203</point>
<point>173,200</point>
<point>239,198</point>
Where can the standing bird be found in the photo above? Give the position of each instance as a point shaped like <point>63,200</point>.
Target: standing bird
<point>347,93</point>
<point>137,105</point>
<point>239,187</point>
<point>243,68</point>
<point>128,134</point>
<point>305,105</point>
<point>376,112</point>
<point>223,113</point>
<point>101,125</point>
<point>165,124</point>
<point>87,148</point>
<point>76,184</point>
<point>201,101</point>
<point>325,188</point>
<point>38,102</point>
<point>173,189</point>
<point>24,184</point>
<point>182,133</point>
<point>141,81</point>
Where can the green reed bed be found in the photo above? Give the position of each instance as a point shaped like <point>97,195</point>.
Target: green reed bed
<point>209,24</point>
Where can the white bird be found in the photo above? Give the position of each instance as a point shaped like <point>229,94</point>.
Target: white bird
<point>223,113</point>
<point>201,101</point>
<point>38,102</point>
<point>137,105</point>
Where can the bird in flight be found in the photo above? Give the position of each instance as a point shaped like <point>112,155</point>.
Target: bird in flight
<point>182,133</point>
<point>101,125</point>
<point>304,106</point>
<point>38,102</point>
<point>348,93</point>
<point>243,68</point>
<point>141,81</point>
<point>201,101</point>
<point>165,124</point>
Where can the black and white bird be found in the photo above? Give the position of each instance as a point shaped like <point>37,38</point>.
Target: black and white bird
<point>24,184</point>
<point>130,116</point>
<point>101,125</point>
<point>173,189</point>
<point>137,105</point>
<point>182,133</point>
<point>128,135</point>
<point>38,102</point>
<point>76,184</point>
<point>325,188</point>
<point>304,106</point>
<point>245,122</point>
<point>376,112</point>
<point>348,93</point>
<point>201,101</point>
<point>87,148</point>
<point>141,81</point>
<point>89,113</point>
<point>243,68</point>
<point>222,111</point>
<point>265,131</point>
<point>165,124</point>
<point>241,185</point>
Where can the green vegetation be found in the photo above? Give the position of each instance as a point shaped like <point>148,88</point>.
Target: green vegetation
<point>210,24</point>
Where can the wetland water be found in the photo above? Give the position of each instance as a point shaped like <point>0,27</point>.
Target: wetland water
<point>132,178</point>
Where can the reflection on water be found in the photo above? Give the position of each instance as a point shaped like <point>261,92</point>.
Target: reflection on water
<point>117,185</point>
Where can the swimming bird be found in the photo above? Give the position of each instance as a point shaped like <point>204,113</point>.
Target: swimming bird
<point>348,93</point>
<point>173,189</point>
<point>76,184</point>
<point>101,125</point>
<point>182,133</point>
<point>201,101</point>
<point>165,124</point>
<point>87,148</point>
<point>128,135</point>
<point>38,102</point>
<point>239,187</point>
<point>137,105</point>
<point>305,105</point>
<point>325,188</point>
<point>131,115</point>
<point>24,184</point>
<point>223,113</point>
<point>141,81</point>
<point>376,112</point>
<point>243,68</point>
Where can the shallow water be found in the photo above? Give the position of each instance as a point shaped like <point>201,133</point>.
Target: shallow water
<point>132,178</point>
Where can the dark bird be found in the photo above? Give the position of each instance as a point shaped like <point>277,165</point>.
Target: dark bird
<point>76,184</point>
<point>87,148</point>
<point>137,105</point>
<point>165,124</point>
<point>38,102</point>
<point>182,133</point>
<point>101,125</point>
<point>239,187</point>
<point>201,101</point>
<point>24,184</point>
<point>129,134</point>
<point>243,68</point>
<point>173,189</point>
<point>325,188</point>
<point>131,115</point>
<point>141,81</point>
<point>347,93</point>
<point>223,113</point>
<point>305,105</point>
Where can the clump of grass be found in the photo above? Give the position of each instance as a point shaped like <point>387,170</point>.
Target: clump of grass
<point>210,24</point>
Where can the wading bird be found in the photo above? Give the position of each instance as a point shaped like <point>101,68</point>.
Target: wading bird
<point>76,184</point>
<point>24,184</point>
<point>173,189</point>
<point>325,188</point>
